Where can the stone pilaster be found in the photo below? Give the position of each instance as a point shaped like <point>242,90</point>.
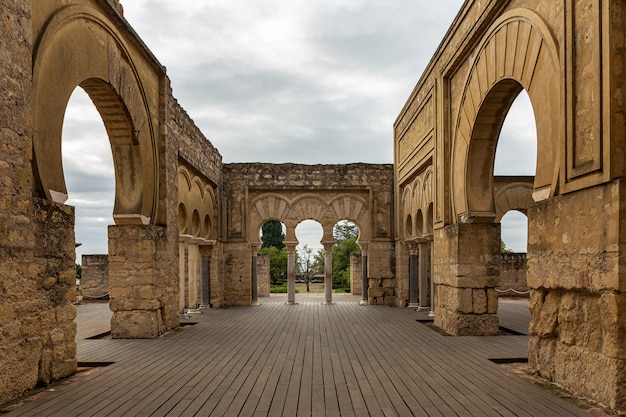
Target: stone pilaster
<point>466,274</point>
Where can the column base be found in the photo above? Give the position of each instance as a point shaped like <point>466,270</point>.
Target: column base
<point>364,303</point>
<point>204,306</point>
<point>328,303</point>
<point>255,303</point>
<point>291,303</point>
<point>413,305</point>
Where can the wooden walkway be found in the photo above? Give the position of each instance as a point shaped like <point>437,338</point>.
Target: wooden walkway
<point>299,360</point>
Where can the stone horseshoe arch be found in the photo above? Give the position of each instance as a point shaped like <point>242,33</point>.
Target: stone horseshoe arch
<point>515,196</point>
<point>308,206</point>
<point>518,52</point>
<point>111,79</point>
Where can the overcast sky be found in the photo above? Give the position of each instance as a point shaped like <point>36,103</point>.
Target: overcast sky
<point>282,81</point>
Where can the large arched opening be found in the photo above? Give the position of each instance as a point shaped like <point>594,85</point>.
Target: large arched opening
<point>89,173</point>
<point>128,102</point>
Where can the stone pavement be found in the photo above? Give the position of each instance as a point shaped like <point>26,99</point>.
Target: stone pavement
<point>307,359</point>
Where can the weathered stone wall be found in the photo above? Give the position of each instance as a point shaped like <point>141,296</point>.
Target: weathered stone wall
<point>143,289</point>
<point>94,280</point>
<point>578,305</point>
<point>263,275</point>
<point>237,272</point>
<point>202,160</point>
<point>356,267</point>
<point>513,275</point>
<point>257,192</point>
<point>466,275</point>
<point>37,273</point>
<point>381,274</point>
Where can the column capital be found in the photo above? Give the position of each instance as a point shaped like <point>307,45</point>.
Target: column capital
<point>364,247</point>
<point>328,245</point>
<point>255,246</point>
<point>290,245</point>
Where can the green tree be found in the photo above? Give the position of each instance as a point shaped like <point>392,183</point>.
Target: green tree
<point>278,262</point>
<point>503,248</point>
<point>79,272</point>
<point>272,234</point>
<point>345,229</point>
<point>306,263</point>
<point>341,260</point>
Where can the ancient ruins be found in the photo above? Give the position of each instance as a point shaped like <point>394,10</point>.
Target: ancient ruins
<point>186,229</point>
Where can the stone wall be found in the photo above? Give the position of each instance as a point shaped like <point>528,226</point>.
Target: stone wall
<point>94,280</point>
<point>578,305</point>
<point>37,272</point>
<point>466,259</point>
<point>263,275</point>
<point>257,192</point>
<point>356,267</point>
<point>381,274</point>
<point>513,275</point>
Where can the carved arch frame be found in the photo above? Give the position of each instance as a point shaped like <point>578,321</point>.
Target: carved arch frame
<point>517,52</point>
<point>114,83</point>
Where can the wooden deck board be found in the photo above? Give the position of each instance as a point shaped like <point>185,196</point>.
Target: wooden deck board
<point>306,360</point>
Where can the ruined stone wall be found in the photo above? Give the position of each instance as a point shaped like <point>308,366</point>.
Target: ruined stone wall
<point>381,274</point>
<point>324,185</point>
<point>198,155</point>
<point>193,146</point>
<point>94,280</point>
<point>513,275</point>
<point>37,272</point>
<point>263,275</point>
<point>578,304</point>
<point>356,267</point>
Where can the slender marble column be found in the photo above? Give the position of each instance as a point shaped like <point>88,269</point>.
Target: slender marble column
<point>328,272</point>
<point>364,278</point>
<point>291,272</point>
<point>413,275</point>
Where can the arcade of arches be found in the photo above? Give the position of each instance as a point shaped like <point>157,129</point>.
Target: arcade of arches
<point>186,225</point>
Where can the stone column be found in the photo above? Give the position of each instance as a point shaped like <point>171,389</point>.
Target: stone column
<point>364,276</point>
<point>328,272</point>
<point>424,266</point>
<point>255,279</point>
<point>466,271</point>
<point>413,275</point>
<point>291,272</point>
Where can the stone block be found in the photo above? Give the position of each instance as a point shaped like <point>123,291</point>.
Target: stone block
<point>376,292</point>
<point>136,324</point>
<point>479,301</point>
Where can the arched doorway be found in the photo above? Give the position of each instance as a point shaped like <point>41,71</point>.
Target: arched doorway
<point>89,172</point>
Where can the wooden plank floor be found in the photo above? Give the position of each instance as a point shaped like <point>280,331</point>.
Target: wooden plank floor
<point>307,359</point>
